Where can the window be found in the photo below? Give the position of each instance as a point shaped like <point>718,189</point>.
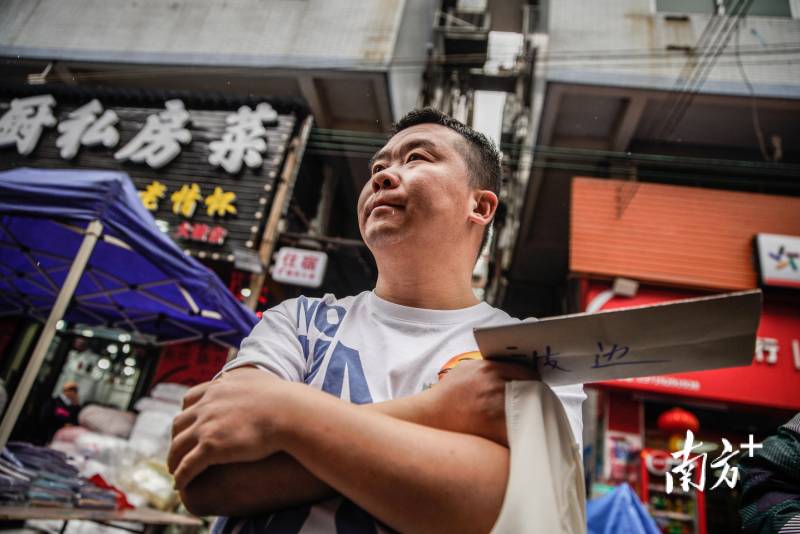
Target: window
<point>758,8</point>
<point>686,6</point>
<point>770,8</point>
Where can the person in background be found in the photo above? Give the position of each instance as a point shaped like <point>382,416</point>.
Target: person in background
<point>771,484</point>
<point>61,410</point>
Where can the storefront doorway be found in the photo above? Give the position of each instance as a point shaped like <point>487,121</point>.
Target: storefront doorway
<point>107,367</point>
<point>111,368</point>
<point>717,421</point>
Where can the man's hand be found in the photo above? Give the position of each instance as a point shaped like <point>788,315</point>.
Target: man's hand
<point>231,420</point>
<point>470,399</point>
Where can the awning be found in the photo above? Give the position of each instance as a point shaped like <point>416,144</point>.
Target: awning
<point>79,245</point>
<point>137,279</point>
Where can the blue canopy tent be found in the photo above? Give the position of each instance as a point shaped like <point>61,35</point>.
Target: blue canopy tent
<point>619,511</point>
<point>79,245</point>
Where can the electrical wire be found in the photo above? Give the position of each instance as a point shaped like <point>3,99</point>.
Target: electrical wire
<point>638,52</point>
<point>689,68</point>
<point>587,63</point>
<point>699,74</point>
<point>364,144</point>
<point>587,59</point>
<point>753,108</point>
<point>689,177</point>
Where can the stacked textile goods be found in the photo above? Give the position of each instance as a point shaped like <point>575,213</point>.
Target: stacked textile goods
<point>15,478</point>
<point>38,476</point>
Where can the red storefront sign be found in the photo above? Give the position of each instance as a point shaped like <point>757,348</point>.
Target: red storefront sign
<point>189,364</point>
<point>773,379</point>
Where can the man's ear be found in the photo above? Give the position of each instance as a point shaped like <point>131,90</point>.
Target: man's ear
<point>484,204</point>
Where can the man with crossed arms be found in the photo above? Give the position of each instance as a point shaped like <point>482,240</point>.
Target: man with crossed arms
<point>332,418</point>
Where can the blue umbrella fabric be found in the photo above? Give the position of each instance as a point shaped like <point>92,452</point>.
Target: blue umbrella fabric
<point>137,278</point>
<point>619,511</point>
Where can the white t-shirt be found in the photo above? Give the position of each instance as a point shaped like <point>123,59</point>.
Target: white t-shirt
<point>363,349</point>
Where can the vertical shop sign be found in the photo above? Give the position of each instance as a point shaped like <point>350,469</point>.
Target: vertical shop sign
<point>299,267</point>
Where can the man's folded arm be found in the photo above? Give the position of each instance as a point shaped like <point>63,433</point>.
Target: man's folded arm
<point>260,487</point>
<point>279,481</point>
<point>413,478</point>
<point>469,401</point>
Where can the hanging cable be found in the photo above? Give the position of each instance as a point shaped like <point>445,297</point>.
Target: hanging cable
<point>753,108</point>
<point>363,144</point>
<point>700,74</point>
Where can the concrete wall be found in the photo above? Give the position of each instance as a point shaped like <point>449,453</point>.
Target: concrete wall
<point>410,54</point>
<point>276,33</point>
<point>583,34</point>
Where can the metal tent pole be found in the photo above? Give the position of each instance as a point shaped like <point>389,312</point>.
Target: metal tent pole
<point>91,234</point>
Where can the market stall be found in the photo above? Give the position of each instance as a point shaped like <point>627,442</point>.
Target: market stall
<point>79,246</point>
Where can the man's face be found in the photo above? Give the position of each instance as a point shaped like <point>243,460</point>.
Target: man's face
<point>418,191</point>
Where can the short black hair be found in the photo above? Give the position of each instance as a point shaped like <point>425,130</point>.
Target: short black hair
<point>479,152</point>
<point>481,156</point>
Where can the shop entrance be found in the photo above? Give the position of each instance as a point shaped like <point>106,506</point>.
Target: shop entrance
<point>110,367</point>
<point>716,421</point>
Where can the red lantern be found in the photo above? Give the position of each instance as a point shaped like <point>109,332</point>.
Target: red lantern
<point>678,420</point>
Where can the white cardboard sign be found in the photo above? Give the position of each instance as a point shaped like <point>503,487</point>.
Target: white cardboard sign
<point>686,335</point>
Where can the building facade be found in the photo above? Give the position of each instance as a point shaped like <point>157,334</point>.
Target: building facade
<point>665,147</point>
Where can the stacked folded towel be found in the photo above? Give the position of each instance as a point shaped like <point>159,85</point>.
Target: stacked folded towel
<point>39,476</point>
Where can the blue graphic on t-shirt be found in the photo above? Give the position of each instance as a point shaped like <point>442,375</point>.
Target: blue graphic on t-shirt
<point>327,319</point>
<point>321,319</point>
<point>303,339</point>
<point>320,348</point>
<point>344,358</point>
<point>308,312</point>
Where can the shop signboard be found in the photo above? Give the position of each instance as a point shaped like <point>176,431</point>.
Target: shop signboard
<point>778,260</point>
<point>299,267</point>
<point>205,173</point>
